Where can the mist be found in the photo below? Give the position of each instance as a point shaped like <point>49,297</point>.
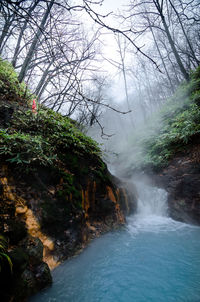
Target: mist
<point>122,134</point>
<point>111,67</point>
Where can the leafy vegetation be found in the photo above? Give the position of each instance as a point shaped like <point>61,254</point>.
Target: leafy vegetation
<point>43,139</point>
<point>171,129</point>
<point>10,88</point>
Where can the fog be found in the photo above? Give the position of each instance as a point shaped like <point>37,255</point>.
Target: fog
<point>121,135</point>
<point>91,60</point>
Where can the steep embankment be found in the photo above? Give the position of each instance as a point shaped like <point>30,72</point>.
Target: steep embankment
<point>177,152</point>
<point>181,178</point>
<point>55,191</point>
<point>167,148</point>
<point>174,152</point>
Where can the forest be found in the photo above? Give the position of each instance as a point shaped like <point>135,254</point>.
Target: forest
<point>56,47</point>
<point>99,135</point>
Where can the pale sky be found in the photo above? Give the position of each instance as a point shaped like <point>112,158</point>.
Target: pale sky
<point>109,46</point>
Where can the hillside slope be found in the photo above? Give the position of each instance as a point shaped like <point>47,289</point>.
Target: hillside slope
<point>175,152</point>
<point>168,149</point>
<point>56,193</point>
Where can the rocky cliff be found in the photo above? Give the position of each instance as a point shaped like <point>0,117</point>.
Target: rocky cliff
<point>181,179</point>
<point>56,193</point>
<point>167,148</point>
<point>45,226</point>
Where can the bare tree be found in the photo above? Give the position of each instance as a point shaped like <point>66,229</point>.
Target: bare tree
<point>35,42</point>
<point>47,45</point>
<point>21,33</point>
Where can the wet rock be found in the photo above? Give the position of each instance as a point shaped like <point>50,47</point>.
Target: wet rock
<point>1,189</point>
<point>29,282</point>
<point>181,179</point>
<point>43,276</point>
<point>105,207</point>
<point>93,206</point>
<point>17,230</point>
<point>19,259</point>
<point>34,250</point>
<point>30,273</point>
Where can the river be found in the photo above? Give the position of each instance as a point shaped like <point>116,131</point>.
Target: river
<point>152,259</point>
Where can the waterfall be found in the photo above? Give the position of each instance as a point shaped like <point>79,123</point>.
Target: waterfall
<point>152,211</point>
<point>151,201</point>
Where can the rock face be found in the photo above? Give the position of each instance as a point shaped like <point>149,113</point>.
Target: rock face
<point>30,273</point>
<point>182,181</point>
<point>46,224</point>
<point>56,193</point>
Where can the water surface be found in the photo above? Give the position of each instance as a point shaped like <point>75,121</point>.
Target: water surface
<point>153,259</point>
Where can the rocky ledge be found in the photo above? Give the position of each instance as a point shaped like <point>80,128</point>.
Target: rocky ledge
<point>181,179</point>
<point>45,224</point>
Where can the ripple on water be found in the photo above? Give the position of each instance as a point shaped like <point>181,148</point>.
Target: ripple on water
<point>157,263</point>
<point>154,259</point>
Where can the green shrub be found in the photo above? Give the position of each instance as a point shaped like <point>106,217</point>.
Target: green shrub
<point>10,88</point>
<point>43,139</point>
<point>180,122</point>
<point>169,130</point>
<point>24,149</point>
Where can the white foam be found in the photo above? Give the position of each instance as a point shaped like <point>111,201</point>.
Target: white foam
<point>152,212</point>
<point>153,223</point>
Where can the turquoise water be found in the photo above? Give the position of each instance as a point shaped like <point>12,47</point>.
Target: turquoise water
<point>153,259</point>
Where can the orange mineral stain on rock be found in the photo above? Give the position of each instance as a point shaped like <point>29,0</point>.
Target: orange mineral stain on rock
<point>8,191</point>
<point>110,194</point>
<point>86,198</point>
<point>115,199</point>
<point>35,231</point>
<point>22,211</point>
<point>85,202</point>
<point>90,227</point>
<point>126,200</point>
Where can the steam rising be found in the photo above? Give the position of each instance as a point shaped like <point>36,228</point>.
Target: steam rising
<point>124,150</point>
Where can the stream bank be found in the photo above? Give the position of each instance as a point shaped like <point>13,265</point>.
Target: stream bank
<point>44,227</point>
<point>153,258</point>
<point>181,179</point>
<point>56,193</point>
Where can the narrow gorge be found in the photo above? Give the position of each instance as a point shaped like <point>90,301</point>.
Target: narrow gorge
<point>99,151</point>
<point>152,258</point>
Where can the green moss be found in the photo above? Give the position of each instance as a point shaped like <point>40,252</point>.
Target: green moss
<point>9,85</point>
<point>45,139</point>
<point>101,173</point>
<point>70,193</point>
<point>68,178</point>
<point>170,129</point>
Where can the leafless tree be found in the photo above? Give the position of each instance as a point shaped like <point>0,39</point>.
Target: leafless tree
<point>46,44</point>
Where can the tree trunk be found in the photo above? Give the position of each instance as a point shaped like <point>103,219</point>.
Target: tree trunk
<point>17,48</point>
<point>4,32</point>
<point>163,62</point>
<point>125,79</point>
<point>186,36</point>
<point>33,46</point>
<point>43,78</point>
<point>171,42</point>
<point>178,59</point>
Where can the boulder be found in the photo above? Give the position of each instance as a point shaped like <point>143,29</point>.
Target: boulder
<point>181,179</point>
